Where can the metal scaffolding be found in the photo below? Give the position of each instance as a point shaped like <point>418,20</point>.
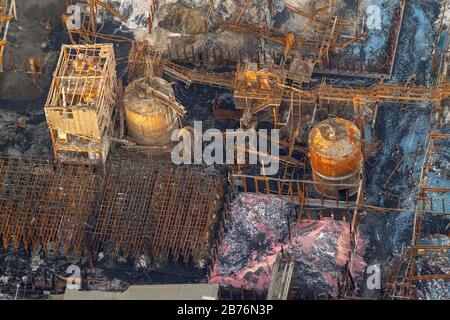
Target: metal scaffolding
<point>431,202</point>
<point>81,102</point>
<point>133,209</point>
<point>44,205</point>
<point>281,278</point>
<point>164,211</point>
<point>265,88</point>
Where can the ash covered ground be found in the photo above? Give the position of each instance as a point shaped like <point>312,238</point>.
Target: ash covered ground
<point>392,174</point>
<point>263,226</point>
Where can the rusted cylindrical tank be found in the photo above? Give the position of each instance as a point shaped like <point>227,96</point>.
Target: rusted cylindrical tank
<point>336,156</point>
<point>150,121</point>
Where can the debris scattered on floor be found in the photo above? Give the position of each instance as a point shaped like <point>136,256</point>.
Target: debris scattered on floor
<point>435,263</point>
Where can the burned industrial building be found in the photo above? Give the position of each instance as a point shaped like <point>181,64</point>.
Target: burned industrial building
<point>348,100</point>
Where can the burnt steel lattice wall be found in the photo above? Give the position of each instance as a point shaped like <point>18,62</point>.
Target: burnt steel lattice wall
<point>163,210</point>
<point>45,205</point>
<point>160,210</point>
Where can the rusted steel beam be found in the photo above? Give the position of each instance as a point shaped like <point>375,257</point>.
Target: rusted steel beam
<point>430,277</point>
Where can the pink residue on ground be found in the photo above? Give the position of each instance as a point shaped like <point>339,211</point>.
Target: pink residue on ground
<point>257,272</point>
<point>358,265</point>
<point>255,275</point>
<point>250,247</point>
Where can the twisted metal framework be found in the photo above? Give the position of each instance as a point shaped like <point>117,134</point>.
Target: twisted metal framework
<point>44,205</point>
<point>265,89</point>
<point>133,209</point>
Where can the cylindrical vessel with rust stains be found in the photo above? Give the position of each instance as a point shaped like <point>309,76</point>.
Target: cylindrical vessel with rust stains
<point>336,157</point>
<point>150,122</point>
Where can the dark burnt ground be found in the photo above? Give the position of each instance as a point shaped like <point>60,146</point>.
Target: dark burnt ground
<point>37,33</point>
<point>26,270</point>
<point>402,132</point>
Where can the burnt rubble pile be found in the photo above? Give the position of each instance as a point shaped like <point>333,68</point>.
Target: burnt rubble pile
<point>320,250</point>
<point>256,232</point>
<point>260,227</point>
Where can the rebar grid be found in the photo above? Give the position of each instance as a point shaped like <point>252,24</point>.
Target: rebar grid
<point>44,205</point>
<point>165,211</point>
<point>122,215</point>
<point>159,210</point>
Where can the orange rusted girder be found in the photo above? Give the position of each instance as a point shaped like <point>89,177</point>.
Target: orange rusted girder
<point>439,136</point>
<point>425,251</point>
<point>327,39</point>
<point>7,13</point>
<point>6,18</point>
<point>429,277</point>
<point>378,92</point>
<point>430,247</point>
<point>238,18</point>
<point>267,85</point>
<point>435,189</point>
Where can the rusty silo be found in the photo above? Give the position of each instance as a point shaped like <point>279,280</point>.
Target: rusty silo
<point>336,156</point>
<point>151,111</point>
